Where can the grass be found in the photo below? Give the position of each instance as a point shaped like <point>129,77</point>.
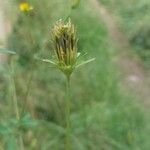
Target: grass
<point>103,116</point>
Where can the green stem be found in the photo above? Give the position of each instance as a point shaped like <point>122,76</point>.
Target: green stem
<point>27,93</point>
<point>68,121</point>
<point>29,83</point>
<point>15,103</point>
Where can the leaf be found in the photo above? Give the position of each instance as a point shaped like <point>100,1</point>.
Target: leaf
<point>85,62</point>
<point>6,51</point>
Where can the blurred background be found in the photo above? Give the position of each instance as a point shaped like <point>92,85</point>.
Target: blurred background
<point>110,97</point>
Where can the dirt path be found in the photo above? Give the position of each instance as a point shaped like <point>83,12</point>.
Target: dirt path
<point>133,74</point>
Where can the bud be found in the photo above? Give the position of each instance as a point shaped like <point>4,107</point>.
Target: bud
<point>65,45</point>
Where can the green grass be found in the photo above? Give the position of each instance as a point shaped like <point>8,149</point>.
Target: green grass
<point>104,117</point>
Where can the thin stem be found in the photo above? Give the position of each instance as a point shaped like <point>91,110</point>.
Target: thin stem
<point>69,13</point>
<point>29,83</point>
<point>15,103</point>
<point>27,94</point>
<point>68,121</point>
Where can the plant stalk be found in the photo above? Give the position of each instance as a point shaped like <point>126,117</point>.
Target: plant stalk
<point>68,121</point>
<point>29,83</point>
<point>15,103</point>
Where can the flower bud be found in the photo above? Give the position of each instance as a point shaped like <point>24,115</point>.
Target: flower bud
<point>65,45</point>
<point>25,7</point>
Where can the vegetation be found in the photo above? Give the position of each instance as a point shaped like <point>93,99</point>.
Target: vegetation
<point>104,116</point>
<point>134,16</point>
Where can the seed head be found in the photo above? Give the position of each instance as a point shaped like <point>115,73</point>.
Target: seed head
<point>64,40</point>
<point>65,45</point>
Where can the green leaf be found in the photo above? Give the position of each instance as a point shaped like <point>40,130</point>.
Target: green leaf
<point>6,51</point>
<point>84,62</point>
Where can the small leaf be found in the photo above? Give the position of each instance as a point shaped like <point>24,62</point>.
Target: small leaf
<point>85,62</point>
<point>6,51</point>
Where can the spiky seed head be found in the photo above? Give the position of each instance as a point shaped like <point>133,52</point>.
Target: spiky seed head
<point>65,45</point>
